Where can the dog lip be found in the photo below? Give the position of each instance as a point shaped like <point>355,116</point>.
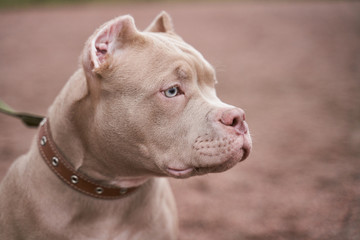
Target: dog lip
<point>246,149</point>
<point>246,153</point>
<point>179,172</point>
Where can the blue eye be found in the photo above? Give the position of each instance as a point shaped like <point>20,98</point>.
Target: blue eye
<point>172,92</point>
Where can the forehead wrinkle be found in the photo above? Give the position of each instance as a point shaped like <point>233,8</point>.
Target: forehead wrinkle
<point>181,73</point>
<point>204,71</point>
<point>205,74</point>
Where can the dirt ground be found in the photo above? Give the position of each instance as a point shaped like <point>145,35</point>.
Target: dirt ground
<point>294,68</point>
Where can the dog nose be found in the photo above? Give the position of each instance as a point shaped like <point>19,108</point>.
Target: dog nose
<point>235,118</point>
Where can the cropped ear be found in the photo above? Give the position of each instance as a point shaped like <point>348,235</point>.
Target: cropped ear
<point>109,37</point>
<point>162,23</point>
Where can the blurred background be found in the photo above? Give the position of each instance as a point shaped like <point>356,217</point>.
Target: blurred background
<point>294,66</point>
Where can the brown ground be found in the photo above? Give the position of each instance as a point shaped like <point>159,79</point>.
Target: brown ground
<point>294,68</point>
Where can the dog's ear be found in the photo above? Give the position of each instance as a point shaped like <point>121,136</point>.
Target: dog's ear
<point>109,37</point>
<point>162,23</point>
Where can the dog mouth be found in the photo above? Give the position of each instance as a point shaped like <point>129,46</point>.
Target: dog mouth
<point>230,162</point>
<point>180,172</point>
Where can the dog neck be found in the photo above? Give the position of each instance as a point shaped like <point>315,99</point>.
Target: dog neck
<point>70,117</point>
<point>75,179</point>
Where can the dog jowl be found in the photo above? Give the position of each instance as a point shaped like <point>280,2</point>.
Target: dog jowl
<point>141,107</point>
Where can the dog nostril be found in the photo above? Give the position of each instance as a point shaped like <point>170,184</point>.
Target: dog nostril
<point>234,118</point>
<point>235,122</point>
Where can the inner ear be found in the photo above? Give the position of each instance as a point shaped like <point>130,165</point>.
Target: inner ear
<point>109,37</point>
<point>104,42</point>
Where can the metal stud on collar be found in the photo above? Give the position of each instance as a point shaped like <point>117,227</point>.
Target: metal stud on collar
<point>55,161</point>
<point>99,190</point>
<point>74,179</point>
<point>43,141</point>
<point>123,191</point>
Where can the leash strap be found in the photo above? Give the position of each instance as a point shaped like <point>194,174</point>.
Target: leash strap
<point>30,120</point>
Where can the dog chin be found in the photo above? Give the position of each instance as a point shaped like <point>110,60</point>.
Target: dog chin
<point>224,165</point>
<point>216,168</point>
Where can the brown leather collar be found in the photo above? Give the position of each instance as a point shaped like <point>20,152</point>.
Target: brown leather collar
<point>66,172</point>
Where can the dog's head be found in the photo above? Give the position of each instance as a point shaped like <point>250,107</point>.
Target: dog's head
<point>155,109</point>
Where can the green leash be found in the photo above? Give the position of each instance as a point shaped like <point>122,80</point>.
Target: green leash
<point>30,120</point>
